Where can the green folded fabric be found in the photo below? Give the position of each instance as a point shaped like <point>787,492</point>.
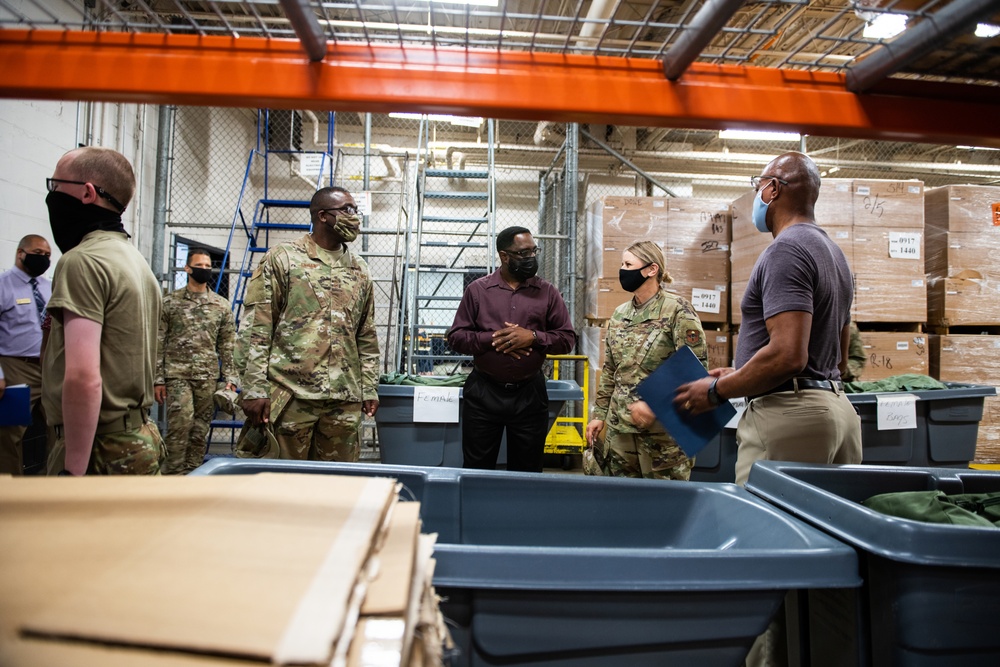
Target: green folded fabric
<point>962,509</point>
<point>423,380</point>
<point>905,382</point>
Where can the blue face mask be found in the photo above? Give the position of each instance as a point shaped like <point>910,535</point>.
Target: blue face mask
<point>760,213</point>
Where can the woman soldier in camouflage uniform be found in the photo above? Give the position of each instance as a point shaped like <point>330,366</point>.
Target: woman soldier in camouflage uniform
<point>641,334</point>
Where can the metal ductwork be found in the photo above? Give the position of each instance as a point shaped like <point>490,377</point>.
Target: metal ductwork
<point>705,25</point>
<point>307,27</point>
<point>921,39</point>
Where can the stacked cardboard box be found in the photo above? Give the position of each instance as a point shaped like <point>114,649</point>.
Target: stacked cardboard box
<point>879,226</point>
<point>234,569</point>
<point>693,235</point>
<point>974,360</point>
<point>963,255</point>
<point>890,353</point>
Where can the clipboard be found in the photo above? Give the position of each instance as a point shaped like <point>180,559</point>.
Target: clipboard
<point>15,406</point>
<point>692,432</point>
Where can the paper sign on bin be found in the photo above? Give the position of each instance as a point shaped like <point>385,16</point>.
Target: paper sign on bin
<point>896,411</point>
<point>436,404</point>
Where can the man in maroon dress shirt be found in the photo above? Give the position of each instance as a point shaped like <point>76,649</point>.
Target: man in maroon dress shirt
<point>508,321</point>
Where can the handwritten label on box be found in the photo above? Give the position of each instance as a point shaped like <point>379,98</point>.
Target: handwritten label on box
<point>436,404</point>
<point>904,245</point>
<point>896,411</point>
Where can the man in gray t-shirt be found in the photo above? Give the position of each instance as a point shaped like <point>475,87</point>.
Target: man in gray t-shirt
<point>794,337</point>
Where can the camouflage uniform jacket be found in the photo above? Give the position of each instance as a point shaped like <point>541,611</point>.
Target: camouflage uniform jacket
<point>638,341</point>
<point>856,357</point>
<point>196,335</point>
<point>309,327</point>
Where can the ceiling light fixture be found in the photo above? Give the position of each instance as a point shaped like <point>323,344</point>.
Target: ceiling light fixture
<point>759,136</point>
<point>481,3</point>
<point>977,148</point>
<point>884,26</point>
<point>463,121</point>
<point>987,30</point>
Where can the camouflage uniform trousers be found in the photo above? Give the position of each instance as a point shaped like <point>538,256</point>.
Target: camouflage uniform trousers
<point>189,415</point>
<point>649,455</point>
<point>138,451</point>
<point>319,430</point>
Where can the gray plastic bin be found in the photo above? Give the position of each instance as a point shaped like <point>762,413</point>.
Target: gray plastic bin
<point>932,592</point>
<point>404,442</point>
<point>556,569</point>
<point>946,433</point>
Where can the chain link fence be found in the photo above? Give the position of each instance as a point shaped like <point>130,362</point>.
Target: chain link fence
<point>225,161</point>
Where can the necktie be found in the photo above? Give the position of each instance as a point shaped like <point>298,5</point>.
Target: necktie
<point>39,301</point>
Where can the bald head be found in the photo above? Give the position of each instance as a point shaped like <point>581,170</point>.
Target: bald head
<point>802,175</point>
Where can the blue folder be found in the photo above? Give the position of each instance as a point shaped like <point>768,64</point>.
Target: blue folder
<point>15,406</point>
<point>692,432</point>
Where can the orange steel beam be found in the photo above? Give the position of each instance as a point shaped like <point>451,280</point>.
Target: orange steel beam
<point>259,72</point>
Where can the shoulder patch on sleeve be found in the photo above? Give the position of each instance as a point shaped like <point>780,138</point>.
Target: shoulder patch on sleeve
<point>692,337</point>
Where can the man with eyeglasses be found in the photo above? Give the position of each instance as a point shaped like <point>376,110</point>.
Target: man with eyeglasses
<point>308,351</point>
<point>24,293</point>
<point>99,361</point>
<point>794,338</point>
<point>508,322</point>
<point>793,346</point>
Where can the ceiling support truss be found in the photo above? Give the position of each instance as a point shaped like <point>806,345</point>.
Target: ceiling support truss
<point>276,73</point>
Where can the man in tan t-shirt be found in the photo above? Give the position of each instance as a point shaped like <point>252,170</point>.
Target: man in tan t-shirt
<point>98,366</point>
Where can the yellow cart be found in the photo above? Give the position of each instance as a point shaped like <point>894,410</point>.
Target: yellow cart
<point>566,435</point>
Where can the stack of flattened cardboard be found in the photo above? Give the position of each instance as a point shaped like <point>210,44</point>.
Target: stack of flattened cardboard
<point>227,570</point>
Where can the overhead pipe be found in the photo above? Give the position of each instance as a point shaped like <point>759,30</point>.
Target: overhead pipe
<point>627,162</point>
<point>307,27</point>
<point>929,34</point>
<point>705,25</point>
<point>600,10</point>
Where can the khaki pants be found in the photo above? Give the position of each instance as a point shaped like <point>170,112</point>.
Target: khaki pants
<point>18,370</point>
<point>808,426</point>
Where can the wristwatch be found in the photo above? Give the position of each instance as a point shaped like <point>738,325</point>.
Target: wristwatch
<point>713,395</point>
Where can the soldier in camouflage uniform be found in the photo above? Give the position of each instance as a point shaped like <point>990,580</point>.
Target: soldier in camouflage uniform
<point>100,357</point>
<point>196,338</point>
<point>641,334</point>
<point>307,349</point>
<point>856,357</point>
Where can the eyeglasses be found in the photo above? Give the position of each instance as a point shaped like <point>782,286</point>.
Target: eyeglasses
<point>755,181</point>
<point>349,209</point>
<point>524,254</point>
<point>50,185</point>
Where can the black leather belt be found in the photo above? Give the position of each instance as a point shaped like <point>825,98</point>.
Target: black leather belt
<point>509,386</point>
<point>804,383</point>
<point>30,360</point>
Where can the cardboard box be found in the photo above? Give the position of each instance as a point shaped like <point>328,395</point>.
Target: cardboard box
<point>951,253</point>
<point>888,251</point>
<point>885,203</point>
<point>975,360</point>
<point>891,354</point>
<point>260,567</point>
<point>744,254</point>
<point>686,229</point>
<point>965,300</point>
<point>718,343</point>
<point>881,298</point>
<point>834,206</point>
<point>709,299</point>
<point>964,208</point>
<point>737,292</point>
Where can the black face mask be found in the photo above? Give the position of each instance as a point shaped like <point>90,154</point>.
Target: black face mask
<point>523,269</point>
<point>632,279</point>
<point>71,219</point>
<point>35,265</point>
<point>200,275</point>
